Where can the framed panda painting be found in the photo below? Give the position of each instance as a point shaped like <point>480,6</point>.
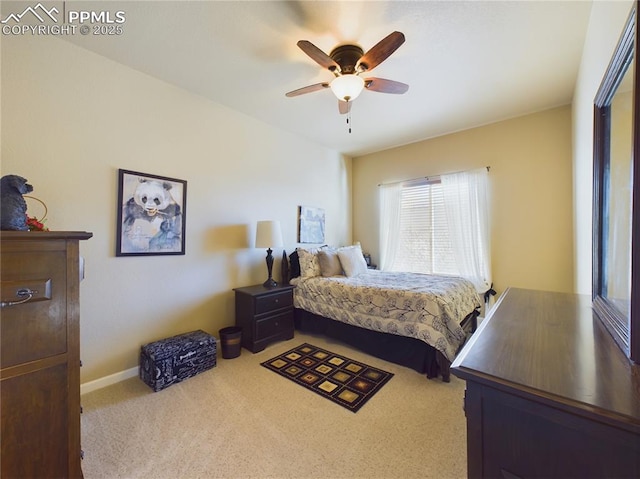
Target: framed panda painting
<point>151,214</point>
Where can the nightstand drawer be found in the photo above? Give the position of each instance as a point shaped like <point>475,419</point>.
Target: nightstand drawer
<point>272,302</point>
<point>274,325</point>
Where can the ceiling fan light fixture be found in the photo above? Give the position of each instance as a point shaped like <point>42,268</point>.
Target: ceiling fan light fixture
<point>347,87</point>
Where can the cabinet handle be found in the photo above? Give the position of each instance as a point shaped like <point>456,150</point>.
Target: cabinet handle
<point>24,293</point>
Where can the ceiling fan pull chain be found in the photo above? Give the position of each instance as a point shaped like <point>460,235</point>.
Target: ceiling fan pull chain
<point>349,120</point>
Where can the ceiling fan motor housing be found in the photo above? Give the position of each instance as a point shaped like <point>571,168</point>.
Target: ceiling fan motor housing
<point>347,57</point>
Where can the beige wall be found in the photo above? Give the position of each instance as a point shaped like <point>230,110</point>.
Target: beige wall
<point>605,27</point>
<point>531,206</point>
<point>71,118</point>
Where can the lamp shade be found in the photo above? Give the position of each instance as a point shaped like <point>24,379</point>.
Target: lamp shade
<point>347,87</point>
<point>268,234</point>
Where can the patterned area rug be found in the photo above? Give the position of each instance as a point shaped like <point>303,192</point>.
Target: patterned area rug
<point>340,379</point>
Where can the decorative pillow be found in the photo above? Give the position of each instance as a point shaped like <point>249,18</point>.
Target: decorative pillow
<point>352,260</point>
<point>309,266</point>
<point>294,265</point>
<point>329,262</point>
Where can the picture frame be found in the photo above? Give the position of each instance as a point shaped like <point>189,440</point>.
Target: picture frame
<point>311,221</point>
<point>151,214</point>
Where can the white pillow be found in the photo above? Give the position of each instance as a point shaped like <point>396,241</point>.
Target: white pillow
<point>329,262</point>
<point>352,260</point>
<point>309,266</point>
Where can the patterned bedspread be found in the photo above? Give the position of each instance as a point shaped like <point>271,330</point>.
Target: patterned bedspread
<point>422,306</point>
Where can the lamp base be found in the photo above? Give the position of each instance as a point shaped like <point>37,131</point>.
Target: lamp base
<point>270,283</point>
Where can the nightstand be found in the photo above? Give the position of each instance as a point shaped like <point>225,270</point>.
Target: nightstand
<point>264,314</point>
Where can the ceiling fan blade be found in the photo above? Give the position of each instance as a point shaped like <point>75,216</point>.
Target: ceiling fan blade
<point>344,107</point>
<point>317,55</point>
<point>308,89</point>
<point>385,86</point>
<point>380,51</point>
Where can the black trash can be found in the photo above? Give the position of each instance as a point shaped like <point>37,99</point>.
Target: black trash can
<point>230,341</point>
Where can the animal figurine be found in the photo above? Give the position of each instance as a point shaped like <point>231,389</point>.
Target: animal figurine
<point>13,215</point>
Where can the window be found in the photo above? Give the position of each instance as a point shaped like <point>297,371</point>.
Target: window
<point>438,225</point>
<point>423,236</point>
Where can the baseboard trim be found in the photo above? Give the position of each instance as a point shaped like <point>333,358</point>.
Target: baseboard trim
<point>108,380</point>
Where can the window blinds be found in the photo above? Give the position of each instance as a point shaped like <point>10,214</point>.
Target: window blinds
<point>424,245</point>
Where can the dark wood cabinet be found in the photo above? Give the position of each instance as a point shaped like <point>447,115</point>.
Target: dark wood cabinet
<point>549,393</point>
<point>264,314</point>
<point>40,355</point>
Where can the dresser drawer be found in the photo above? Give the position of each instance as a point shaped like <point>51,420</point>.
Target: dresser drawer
<point>35,329</point>
<point>272,302</point>
<point>274,325</point>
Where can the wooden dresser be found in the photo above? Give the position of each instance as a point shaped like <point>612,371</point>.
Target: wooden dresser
<point>549,394</point>
<point>264,314</point>
<point>40,355</point>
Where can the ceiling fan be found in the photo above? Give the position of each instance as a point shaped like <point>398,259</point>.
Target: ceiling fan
<point>347,63</point>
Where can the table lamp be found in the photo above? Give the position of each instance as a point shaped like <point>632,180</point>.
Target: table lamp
<point>268,235</point>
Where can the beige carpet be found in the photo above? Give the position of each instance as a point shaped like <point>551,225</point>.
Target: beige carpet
<point>239,420</point>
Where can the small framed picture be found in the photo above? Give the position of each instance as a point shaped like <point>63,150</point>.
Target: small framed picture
<point>151,214</point>
<point>310,225</point>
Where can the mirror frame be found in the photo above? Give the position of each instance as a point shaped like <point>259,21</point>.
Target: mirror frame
<point>625,331</point>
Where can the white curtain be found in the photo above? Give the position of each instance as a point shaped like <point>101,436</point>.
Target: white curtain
<point>466,199</point>
<point>389,223</point>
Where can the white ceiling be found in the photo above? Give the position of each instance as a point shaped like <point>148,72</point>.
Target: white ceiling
<point>467,63</point>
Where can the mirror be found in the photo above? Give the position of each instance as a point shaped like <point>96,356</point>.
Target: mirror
<point>616,243</point>
<point>616,286</point>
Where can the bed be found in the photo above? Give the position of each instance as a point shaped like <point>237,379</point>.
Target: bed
<point>415,320</point>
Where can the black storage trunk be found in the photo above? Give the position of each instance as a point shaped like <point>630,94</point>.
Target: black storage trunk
<point>177,358</point>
